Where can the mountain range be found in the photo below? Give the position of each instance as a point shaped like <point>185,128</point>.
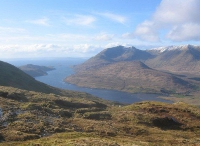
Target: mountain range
<point>115,54</point>
<point>133,70</point>
<point>177,59</point>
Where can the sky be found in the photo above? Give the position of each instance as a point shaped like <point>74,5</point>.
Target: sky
<point>83,28</point>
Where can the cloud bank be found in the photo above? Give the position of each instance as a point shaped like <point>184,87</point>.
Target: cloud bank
<point>48,50</point>
<point>178,21</point>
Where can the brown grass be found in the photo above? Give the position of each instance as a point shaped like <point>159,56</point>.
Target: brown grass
<point>42,120</point>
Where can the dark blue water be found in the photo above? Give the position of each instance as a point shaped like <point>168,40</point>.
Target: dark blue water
<point>63,69</point>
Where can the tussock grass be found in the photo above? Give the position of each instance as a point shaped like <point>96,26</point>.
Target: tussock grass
<point>50,119</point>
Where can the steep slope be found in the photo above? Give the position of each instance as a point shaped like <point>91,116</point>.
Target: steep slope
<point>115,54</point>
<point>14,77</point>
<point>178,59</point>
<point>130,76</point>
<point>35,70</point>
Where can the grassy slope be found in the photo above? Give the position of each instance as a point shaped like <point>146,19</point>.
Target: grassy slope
<point>130,76</point>
<point>32,118</point>
<point>14,77</point>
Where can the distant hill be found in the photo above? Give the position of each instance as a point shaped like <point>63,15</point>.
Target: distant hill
<point>115,54</point>
<point>178,59</point>
<point>130,76</point>
<point>14,77</point>
<point>123,68</point>
<point>35,70</point>
<point>121,53</point>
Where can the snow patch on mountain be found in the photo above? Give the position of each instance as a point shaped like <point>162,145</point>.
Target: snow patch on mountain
<point>171,48</point>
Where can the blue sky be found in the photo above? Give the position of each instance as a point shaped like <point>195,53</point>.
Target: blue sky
<point>82,28</point>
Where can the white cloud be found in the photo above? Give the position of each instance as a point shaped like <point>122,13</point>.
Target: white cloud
<point>84,20</point>
<point>114,44</point>
<point>86,48</point>
<point>11,30</point>
<point>71,37</point>
<point>42,21</point>
<point>179,18</point>
<point>177,12</point>
<point>189,31</point>
<point>48,50</point>
<point>147,28</point>
<point>104,37</point>
<point>26,39</point>
<point>114,17</point>
<point>65,38</point>
<point>127,35</point>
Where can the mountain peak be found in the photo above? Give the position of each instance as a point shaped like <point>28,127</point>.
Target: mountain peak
<point>179,59</point>
<point>121,53</point>
<point>113,55</point>
<point>171,48</point>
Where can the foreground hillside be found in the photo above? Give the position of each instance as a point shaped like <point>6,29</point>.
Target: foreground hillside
<point>32,118</point>
<point>14,77</point>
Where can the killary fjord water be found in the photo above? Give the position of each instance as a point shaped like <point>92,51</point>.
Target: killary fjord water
<point>63,68</point>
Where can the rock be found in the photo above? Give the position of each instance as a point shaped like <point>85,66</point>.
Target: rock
<point>1,137</point>
<point>18,97</point>
<point>168,122</point>
<point>3,94</point>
